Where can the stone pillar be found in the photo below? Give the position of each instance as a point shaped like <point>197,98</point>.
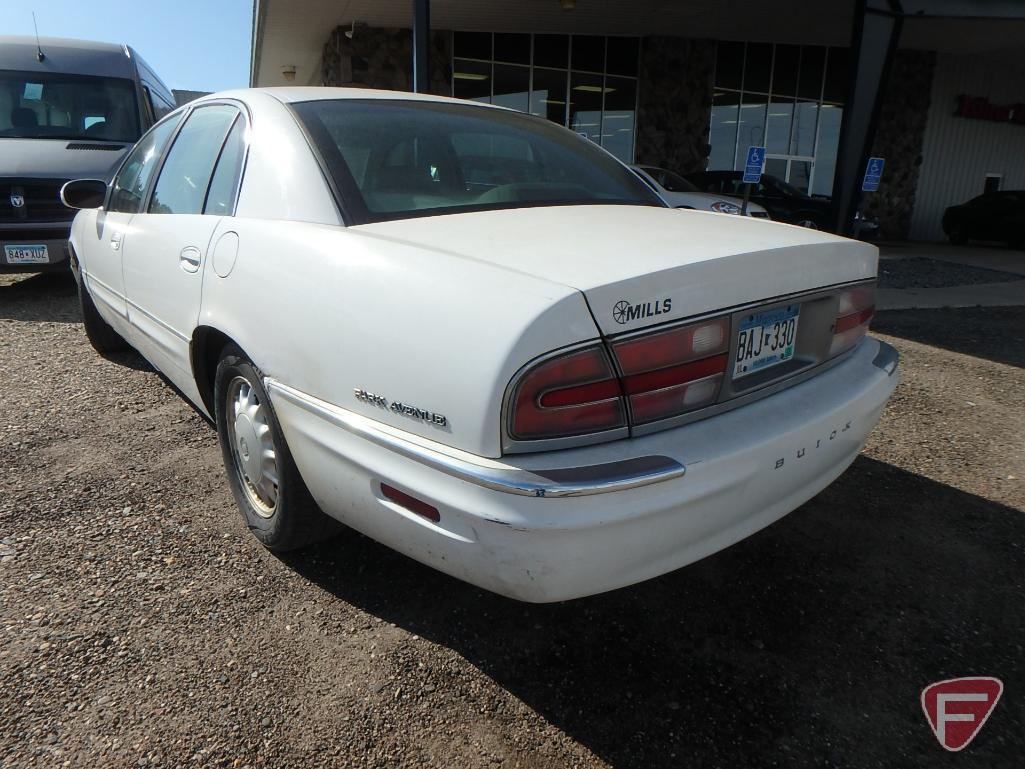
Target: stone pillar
<point>899,136</point>
<point>675,104</point>
<point>377,57</point>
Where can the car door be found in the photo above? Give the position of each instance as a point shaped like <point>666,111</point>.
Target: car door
<point>104,242</point>
<point>164,256</point>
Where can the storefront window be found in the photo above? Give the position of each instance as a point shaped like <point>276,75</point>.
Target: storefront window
<point>787,97</point>
<point>512,87</point>
<point>585,82</point>
<point>723,133</point>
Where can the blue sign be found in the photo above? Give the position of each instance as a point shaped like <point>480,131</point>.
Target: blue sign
<point>753,165</point>
<point>873,173</point>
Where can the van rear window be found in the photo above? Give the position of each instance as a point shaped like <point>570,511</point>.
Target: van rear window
<point>38,105</point>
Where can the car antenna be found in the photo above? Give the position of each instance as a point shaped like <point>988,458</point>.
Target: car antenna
<point>39,49</point>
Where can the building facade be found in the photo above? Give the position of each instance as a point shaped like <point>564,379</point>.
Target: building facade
<point>946,127</point>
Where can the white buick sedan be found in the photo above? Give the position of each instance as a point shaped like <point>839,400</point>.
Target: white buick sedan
<point>477,338</point>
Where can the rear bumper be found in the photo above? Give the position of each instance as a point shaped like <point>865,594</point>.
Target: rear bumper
<point>560,525</point>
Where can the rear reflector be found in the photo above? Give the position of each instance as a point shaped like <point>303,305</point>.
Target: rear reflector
<point>572,394</point>
<point>853,315</point>
<point>414,505</point>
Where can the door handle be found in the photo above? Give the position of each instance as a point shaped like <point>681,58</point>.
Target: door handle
<point>190,259</point>
<point>115,239</point>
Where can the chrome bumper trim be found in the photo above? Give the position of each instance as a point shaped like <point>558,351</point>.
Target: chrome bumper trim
<point>556,482</point>
<point>887,358</point>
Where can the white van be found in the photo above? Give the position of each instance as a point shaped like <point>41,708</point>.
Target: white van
<point>69,109</point>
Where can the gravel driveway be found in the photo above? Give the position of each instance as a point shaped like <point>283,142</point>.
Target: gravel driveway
<point>141,625</point>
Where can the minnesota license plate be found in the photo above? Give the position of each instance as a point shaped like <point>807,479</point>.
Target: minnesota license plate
<point>766,339</point>
<point>26,254</point>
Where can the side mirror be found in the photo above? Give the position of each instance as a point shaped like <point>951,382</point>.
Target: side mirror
<point>84,193</point>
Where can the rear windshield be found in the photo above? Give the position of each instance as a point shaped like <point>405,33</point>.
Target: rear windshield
<point>36,105</point>
<point>400,159</point>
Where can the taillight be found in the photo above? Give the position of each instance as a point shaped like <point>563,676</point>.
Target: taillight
<point>572,394</point>
<point>675,371</point>
<point>853,315</point>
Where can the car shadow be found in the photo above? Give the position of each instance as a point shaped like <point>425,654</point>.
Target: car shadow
<point>967,330</point>
<point>53,297</point>
<point>805,645</point>
<point>42,296</point>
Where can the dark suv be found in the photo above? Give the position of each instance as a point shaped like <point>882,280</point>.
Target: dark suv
<point>993,216</point>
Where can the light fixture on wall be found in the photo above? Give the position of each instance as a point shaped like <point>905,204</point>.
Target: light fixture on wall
<point>568,5</point>
<point>349,33</point>
<point>288,72</point>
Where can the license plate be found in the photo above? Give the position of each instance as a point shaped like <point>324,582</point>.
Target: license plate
<point>766,339</point>
<point>26,254</point>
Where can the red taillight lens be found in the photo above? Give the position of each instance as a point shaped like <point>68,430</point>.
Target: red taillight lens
<point>675,371</point>
<point>573,394</point>
<point>853,315</point>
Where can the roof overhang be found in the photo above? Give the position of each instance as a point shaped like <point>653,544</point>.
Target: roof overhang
<point>292,33</point>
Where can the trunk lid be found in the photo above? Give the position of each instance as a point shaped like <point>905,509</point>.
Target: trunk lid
<point>639,266</point>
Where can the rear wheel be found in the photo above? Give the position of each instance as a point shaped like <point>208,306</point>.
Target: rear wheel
<point>804,220</point>
<point>270,493</point>
<point>102,337</point>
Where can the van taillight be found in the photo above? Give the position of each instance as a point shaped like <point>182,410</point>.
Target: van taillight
<point>853,315</point>
<point>572,394</point>
<point>674,371</point>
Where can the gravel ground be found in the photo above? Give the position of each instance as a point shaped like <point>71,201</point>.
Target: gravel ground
<point>922,272</point>
<point>141,625</point>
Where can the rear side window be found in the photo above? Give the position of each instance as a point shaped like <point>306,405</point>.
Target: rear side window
<point>220,200</point>
<point>132,182</point>
<point>182,184</point>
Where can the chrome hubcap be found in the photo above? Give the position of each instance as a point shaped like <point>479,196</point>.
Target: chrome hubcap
<point>252,446</point>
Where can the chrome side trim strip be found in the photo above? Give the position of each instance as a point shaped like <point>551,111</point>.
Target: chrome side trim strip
<point>887,358</point>
<point>557,482</point>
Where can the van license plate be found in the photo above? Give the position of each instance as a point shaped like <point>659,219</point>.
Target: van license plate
<point>766,339</point>
<point>26,254</point>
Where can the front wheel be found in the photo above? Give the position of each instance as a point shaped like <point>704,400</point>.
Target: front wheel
<point>103,338</point>
<point>804,220</point>
<point>270,493</point>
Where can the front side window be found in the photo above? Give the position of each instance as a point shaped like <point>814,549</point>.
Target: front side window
<point>157,105</point>
<point>43,105</point>
<point>183,181</point>
<point>676,183</point>
<point>399,159</point>
<point>130,187</point>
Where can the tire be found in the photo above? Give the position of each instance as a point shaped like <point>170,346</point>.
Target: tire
<point>809,222</point>
<point>957,235</point>
<point>102,337</point>
<point>282,515</point>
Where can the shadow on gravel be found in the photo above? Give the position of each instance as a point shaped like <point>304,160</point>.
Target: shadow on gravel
<point>993,333</point>
<point>806,645</point>
<point>47,296</point>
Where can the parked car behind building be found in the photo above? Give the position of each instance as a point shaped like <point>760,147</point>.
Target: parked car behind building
<point>784,202</point>
<point>993,216</point>
<point>680,193</point>
<point>68,109</point>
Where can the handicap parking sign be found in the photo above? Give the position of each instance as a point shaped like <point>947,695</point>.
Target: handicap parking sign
<point>753,165</point>
<point>873,174</point>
